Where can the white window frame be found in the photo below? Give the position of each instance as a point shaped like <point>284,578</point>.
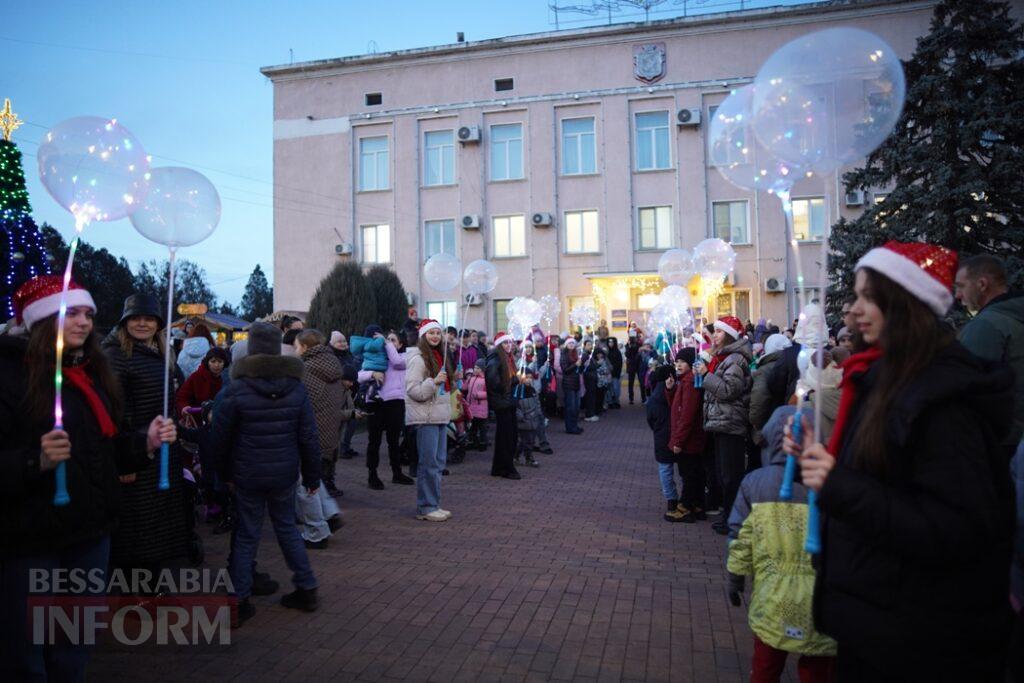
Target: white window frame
<point>440,224</point>
<point>597,237</point>
<point>375,257</point>
<point>372,186</point>
<point>580,137</point>
<point>652,132</point>
<point>810,238</point>
<point>714,228</point>
<point>449,316</point>
<point>731,293</point>
<point>443,181</point>
<point>509,226</point>
<point>507,144</point>
<point>639,229</point>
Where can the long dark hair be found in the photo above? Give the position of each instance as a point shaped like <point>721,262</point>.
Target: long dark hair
<point>505,363</point>
<point>427,351</point>
<point>41,356</point>
<point>910,339</point>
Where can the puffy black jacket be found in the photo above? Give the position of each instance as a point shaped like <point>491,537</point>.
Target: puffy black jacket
<point>264,430</point>
<point>659,419</point>
<point>615,358</point>
<point>30,524</point>
<point>497,397</point>
<point>571,373</point>
<point>913,571</point>
<point>632,356</point>
<point>783,374</point>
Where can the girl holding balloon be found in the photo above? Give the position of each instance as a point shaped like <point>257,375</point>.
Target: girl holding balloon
<point>916,502</point>
<point>91,447</point>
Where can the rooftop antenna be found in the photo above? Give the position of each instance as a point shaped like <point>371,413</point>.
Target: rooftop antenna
<point>371,47</point>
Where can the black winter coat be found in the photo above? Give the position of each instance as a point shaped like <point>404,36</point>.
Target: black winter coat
<point>264,430</point>
<point>30,524</point>
<point>913,571</point>
<point>632,356</point>
<point>153,525</point>
<point>345,358</point>
<point>571,373</point>
<point>615,358</point>
<point>783,374</point>
<point>659,419</point>
<point>497,397</point>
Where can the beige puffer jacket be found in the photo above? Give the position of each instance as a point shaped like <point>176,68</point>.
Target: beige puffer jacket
<point>424,402</point>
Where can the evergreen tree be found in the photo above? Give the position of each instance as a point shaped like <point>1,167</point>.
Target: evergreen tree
<point>22,254</point>
<point>258,298</point>
<point>344,301</point>
<point>392,301</point>
<point>227,309</point>
<point>190,283</point>
<point>955,160</point>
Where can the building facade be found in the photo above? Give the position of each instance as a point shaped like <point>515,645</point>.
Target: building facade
<point>572,160</point>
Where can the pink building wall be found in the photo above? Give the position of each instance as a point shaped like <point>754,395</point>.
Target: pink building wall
<point>320,115</point>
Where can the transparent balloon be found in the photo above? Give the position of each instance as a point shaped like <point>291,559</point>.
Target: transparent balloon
<point>518,330</point>
<point>443,272</point>
<point>675,297</point>
<point>94,167</point>
<point>714,258</point>
<point>182,208</point>
<point>585,316</point>
<point>480,277</point>
<point>676,266</point>
<point>550,307</point>
<point>524,310</point>
<point>850,77</point>
<point>734,151</point>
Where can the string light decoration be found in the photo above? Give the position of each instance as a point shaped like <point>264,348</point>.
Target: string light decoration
<point>24,255</point>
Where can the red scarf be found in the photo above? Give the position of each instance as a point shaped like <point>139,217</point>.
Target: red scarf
<point>715,361</point>
<point>78,378</point>
<point>854,366</point>
<point>441,364</point>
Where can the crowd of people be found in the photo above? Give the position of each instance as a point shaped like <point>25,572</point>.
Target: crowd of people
<point>911,467</point>
<point>911,462</point>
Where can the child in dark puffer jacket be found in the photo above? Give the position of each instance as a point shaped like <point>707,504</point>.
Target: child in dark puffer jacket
<point>529,418</point>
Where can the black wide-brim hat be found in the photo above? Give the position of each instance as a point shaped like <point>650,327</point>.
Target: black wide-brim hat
<point>142,304</point>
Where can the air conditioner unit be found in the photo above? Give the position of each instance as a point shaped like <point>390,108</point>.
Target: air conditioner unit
<point>473,299</point>
<point>470,221</point>
<point>688,117</point>
<point>541,219</point>
<point>343,249</point>
<point>469,134</point>
<point>774,284</point>
<point>855,198</point>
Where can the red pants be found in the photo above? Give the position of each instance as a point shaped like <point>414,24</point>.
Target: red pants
<point>768,664</point>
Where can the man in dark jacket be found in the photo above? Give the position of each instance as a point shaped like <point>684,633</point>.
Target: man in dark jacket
<point>615,359</point>
<point>633,365</point>
<point>264,432</point>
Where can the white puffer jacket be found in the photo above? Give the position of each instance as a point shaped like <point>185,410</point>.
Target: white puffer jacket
<point>424,402</point>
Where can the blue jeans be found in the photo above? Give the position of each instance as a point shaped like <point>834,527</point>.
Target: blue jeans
<point>20,659</point>
<point>572,410</point>
<point>614,392</point>
<point>249,508</point>
<point>667,473</point>
<point>346,436</point>
<point>432,444</point>
<point>313,512</point>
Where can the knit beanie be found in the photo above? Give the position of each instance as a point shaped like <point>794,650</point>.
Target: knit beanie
<point>372,330</point>
<point>264,338</point>
<point>687,354</point>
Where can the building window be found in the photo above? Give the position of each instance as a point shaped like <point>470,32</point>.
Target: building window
<point>731,221</point>
<point>797,298</point>
<point>444,312</point>
<point>376,244</point>
<point>509,236</point>
<point>373,164</point>
<point>439,159</point>
<point>501,84</point>
<point>652,142</point>
<point>735,302</point>
<point>725,155</point>
<point>809,219</point>
<point>500,315</point>
<point>581,232</point>
<point>440,237</point>
<point>507,152</point>
<point>373,99</point>
<point>579,155</point>
<point>655,227</point>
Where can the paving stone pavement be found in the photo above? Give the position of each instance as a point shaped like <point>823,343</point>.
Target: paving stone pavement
<point>567,575</point>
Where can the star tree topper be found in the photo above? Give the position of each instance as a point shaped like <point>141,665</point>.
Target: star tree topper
<point>9,121</point>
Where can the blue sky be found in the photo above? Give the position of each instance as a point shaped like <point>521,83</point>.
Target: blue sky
<point>184,77</point>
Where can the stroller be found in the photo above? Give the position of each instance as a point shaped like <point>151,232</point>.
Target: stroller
<point>210,499</point>
<point>457,430</point>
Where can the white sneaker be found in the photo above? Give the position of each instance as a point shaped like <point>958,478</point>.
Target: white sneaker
<point>435,516</point>
<point>593,418</point>
<point>447,513</point>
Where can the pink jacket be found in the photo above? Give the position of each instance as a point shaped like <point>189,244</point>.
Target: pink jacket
<point>394,378</point>
<point>476,393</point>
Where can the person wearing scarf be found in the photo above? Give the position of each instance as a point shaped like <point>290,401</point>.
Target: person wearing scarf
<point>915,497</point>
<point>35,534</point>
<point>501,378</point>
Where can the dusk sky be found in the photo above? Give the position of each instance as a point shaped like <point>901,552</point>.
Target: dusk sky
<point>184,77</point>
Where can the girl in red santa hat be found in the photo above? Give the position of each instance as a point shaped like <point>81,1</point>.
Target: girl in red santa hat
<point>36,535</point>
<point>916,502</point>
<point>501,379</point>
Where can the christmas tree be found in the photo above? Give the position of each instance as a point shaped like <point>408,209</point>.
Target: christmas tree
<point>22,255</point>
<point>955,161</point>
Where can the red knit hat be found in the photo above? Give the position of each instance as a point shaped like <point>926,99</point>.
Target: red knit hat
<point>925,270</point>
<point>40,298</point>
<point>731,325</point>
<point>426,325</point>
<point>503,337</point>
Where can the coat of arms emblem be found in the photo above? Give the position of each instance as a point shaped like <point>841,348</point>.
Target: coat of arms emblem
<point>649,62</point>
